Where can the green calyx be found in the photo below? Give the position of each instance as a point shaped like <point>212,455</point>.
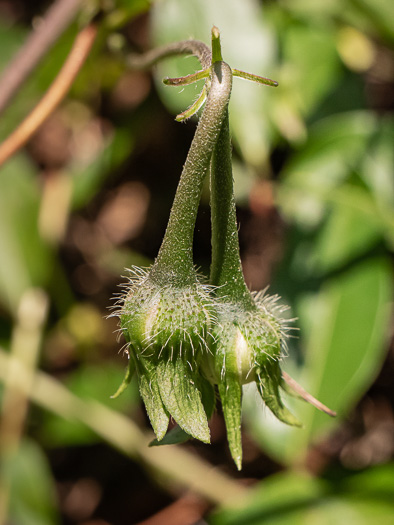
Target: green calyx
<point>164,320</point>
<point>167,329</point>
<point>248,348</point>
<point>185,338</point>
<point>249,336</point>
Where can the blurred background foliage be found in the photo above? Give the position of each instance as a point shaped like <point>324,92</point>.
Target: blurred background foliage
<point>90,195</point>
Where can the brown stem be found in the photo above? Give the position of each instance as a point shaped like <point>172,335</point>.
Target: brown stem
<point>55,94</point>
<point>39,42</point>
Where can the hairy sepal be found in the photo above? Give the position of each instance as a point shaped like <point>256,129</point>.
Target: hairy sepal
<point>159,320</point>
<point>182,398</point>
<point>127,378</point>
<point>230,391</point>
<point>268,383</point>
<point>177,435</point>
<point>148,383</point>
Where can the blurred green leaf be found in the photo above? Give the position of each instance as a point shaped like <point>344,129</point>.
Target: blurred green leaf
<point>311,64</point>
<point>88,178</point>
<point>32,491</point>
<point>346,340</point>
<point>248,44</point>
<point>377,16</point>
<point>344,327</point>
<point>294,498</point>
<point>11,38</point>
<point>25,260</point>
<point>352,228</point>
<point>377,172</point>
<point>335,147</point>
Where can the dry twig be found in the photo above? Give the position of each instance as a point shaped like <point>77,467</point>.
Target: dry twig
<point>55,94</point>
<point>39,42</point>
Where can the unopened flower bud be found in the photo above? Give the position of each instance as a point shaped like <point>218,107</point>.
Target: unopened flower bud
<point>248,347</point>
<point>167,329</point>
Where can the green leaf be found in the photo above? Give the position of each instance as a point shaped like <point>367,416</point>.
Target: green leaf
<point>352,228</point>
<point>333,152</point>
<point>182,398</point>
<point>230,392</point>
<point>32,490</point>
<point>25,259</point>
<point>344,328</point>
<point>377,173</point>
<point>347,336</point>
<point>309,53</point>
<point>294,498</point>
<point>148,381</point>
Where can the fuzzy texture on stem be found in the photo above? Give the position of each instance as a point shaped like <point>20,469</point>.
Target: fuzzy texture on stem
<point>186,47</point>
<point>226,268</point>
<point>249,334</point>
<point>175,254</point>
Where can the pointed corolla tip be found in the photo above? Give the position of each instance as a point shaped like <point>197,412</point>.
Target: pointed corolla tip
<point>215,32</point>
<point>216,47</point>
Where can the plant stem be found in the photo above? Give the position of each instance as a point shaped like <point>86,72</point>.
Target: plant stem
<point>186,47</point>
<point>226,267</point>
<point>58,17</point>
<point>25,347</point>
<point>55,94</point>
<point>174,262</point>
<point>176,465</point>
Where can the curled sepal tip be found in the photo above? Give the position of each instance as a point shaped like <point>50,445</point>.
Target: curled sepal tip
<point>293,388</point>
<point>127,378</point>
<point>230,391</point>
<point>216,46</point>
<point>188,79</point>
<point>254,78</point>
<point>192,110</point>
<point>268,382</point>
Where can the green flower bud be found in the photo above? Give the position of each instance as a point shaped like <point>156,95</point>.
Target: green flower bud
<point>248,347</point>
<point>167,329</point>
<point>168,318</point>
<point>160,320</point>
